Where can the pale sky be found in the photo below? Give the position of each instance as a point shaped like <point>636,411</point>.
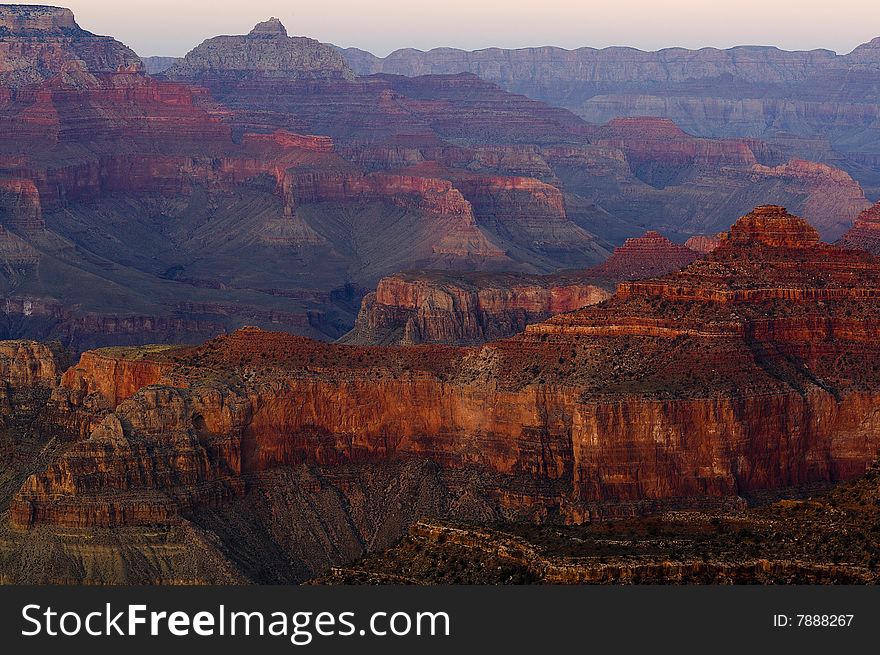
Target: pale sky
<point>173,27</point>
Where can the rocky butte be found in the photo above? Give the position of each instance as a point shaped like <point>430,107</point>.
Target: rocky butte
<point>752,369</point>
<point>266,52</point>
<point>466,308</point>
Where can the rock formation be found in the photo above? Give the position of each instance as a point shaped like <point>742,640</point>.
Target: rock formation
<point>824,538</point>
<point>708,358</point>
<point>267,52</point>
<point>865,232</point>
<point>38,42</point>
<point>650,255</point>
<point>20,204</point>
<point>436,307</point>
<point>754,369</point>
<point>703,244</point>
<point>138,210</point>
<point>777,93</point>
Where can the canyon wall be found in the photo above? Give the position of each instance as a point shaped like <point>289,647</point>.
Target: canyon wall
<point>412,308</point>
<point>655,396</point>
<point>37,43</point>
<point>865,231</point>
<point>434,307</point>
<point>746,91</point>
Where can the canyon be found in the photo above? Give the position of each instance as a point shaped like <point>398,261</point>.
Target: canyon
<point>139,208</point>
<point>751,370</point>
<point>814,101</point>
<point>820,537</point>
<point>278,312</point>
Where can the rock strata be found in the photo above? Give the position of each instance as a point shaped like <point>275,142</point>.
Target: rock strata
<point>724,362</point>
<point>649,255</point>
<point>266,52</point>
<point>865,232</point>
<point>38,42</point>
<point>412,308</point>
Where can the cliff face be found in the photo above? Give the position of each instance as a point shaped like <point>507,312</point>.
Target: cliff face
<point>591,65</point>
<point>267,52</point>
<point>39,42</point>
<point>673,391</point>
<point>29,364</point>
<point>865,232</point>
<point>750,91</point>
<point>412,308</point>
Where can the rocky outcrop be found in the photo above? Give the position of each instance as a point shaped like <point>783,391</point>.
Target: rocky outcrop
<point>673,391</point>
<point>434,307</point>
<point>266,53</point>
<point>30,364</point>
<point>865,232</point>
<point>147,446</point>
<point>650,255</point>
<point>703,244</point>
<point>37,43</point>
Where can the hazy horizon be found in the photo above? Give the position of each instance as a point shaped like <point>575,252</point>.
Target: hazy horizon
<point>171,28</point>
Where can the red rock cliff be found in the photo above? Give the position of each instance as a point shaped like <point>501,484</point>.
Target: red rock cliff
<point>657,395</point>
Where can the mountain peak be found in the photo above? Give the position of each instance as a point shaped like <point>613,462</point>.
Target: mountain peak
<point>271,27</point>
